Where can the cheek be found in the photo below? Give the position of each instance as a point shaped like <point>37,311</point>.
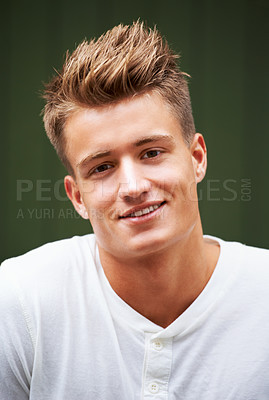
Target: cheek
<point>99,200</point>
<point>180,183</point>
<point>98,195</point>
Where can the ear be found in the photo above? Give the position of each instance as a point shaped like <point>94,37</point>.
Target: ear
<point>199,157</point>
<point>74,195</point>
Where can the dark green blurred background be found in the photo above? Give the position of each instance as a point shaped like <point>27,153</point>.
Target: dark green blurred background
<point>224,47</point>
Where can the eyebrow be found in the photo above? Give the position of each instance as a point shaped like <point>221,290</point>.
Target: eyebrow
<point>138,143</point>
<point>154,138</point>
<point>94,156</point>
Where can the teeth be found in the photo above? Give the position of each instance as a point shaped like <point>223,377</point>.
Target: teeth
<point>146,210</point>
<point>138,213</point>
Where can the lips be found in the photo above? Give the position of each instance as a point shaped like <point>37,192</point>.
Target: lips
<point>142,211</point>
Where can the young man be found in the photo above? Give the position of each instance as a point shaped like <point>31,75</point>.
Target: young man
<point>146,307</point>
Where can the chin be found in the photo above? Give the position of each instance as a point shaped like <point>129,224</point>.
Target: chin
<point>161,241</point>
<point>143,245</point>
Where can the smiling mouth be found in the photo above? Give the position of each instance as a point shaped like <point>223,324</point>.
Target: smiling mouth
<point>144,211</point>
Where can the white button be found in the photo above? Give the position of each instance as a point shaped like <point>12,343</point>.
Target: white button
<point>153,387</point>
<point>157,345</point>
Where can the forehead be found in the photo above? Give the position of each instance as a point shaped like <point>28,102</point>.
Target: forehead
<point>117,125</point>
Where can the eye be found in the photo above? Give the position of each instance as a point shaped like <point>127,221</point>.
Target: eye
<point>151,153</point>
<point>101,168</point>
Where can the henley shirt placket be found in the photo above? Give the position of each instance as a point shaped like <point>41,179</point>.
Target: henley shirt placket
<point>157,367</point>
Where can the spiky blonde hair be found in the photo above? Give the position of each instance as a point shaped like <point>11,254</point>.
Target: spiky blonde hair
<point>127,60</point>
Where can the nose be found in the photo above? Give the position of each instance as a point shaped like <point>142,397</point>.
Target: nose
<point>133,184</point>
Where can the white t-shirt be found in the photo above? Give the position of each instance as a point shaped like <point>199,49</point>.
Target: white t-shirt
<point>66,335</point>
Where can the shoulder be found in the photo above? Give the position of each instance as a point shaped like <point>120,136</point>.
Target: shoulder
<point>256,253</point>
<point>53,256</point>
<point>247,264</point>
<point>255,268</point>
<point>241,252</point>
<point>45,269</point>
<point>248,256</point>
<point>34,290</point>
<point>37,285</point>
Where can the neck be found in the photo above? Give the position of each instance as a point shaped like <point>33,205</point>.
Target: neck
<point>161,286</point>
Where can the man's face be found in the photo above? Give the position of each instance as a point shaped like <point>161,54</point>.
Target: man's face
<point>135,178</point>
